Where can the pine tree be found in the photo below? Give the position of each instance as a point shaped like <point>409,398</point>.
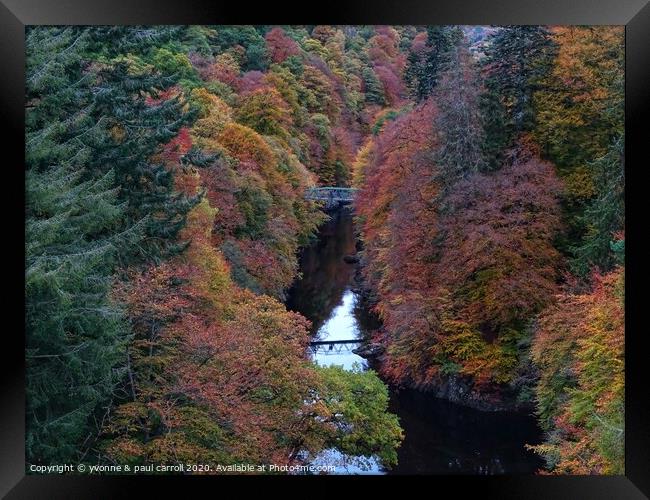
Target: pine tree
<point>423,70</point>
<point>99,115</point>
<point>138,129</point>
<point>58,98</point>
<point>75,335</point>
<point>604,216</point>
<point>374,90</point>
<point>458,122</point>
<point>95,201</point>
<point>580,127</point>
<point>516,60</point>
<point>255,55</point>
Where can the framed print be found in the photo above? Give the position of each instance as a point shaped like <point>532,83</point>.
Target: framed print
<point>388,243</point>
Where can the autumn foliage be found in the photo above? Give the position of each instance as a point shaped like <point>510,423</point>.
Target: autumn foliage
<point>166,171</point>
<point>579,347</point>
<point>219,375</point>
<point>457,284</point>
<point>469,205</point>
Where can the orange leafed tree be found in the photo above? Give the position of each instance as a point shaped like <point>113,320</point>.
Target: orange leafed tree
<point>579,349</point>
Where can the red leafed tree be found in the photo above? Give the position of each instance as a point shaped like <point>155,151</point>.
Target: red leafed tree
<point>225,68</point>
<point>177,147</point>
<point>418,45</point>
<point>397,215</point>
<point>394,149</point>
<point>392,83</point>
<point>383,47</point>
<point>215,374</point>
<point>162,95</point>
<point>280,46</point>
<point>498,241</point>
<point>460,271</point>
<point>388,63</point>
<point>250,81</point>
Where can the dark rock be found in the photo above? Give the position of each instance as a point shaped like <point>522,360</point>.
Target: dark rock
<point>351,259</point>
<point>369,350</point>
<point>461,391</point>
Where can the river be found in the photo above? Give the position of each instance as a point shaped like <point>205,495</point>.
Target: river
<point>440,437</point>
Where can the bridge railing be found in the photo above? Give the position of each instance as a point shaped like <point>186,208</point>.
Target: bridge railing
<point>331,194</point>
<point>328,348</point>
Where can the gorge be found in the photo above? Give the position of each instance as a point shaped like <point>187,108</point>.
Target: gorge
<point>195,293</point>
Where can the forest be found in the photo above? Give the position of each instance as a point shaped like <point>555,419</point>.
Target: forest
<point>166,171</point>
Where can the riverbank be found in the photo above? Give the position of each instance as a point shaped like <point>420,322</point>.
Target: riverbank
<point>455,389</point>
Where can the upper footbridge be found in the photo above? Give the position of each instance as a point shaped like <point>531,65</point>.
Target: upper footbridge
<point>331,196</point>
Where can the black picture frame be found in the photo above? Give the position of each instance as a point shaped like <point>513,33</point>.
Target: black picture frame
<point>634,14</point>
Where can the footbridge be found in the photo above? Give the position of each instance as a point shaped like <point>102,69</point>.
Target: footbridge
<point>333,346</point>
<point>331,196</point>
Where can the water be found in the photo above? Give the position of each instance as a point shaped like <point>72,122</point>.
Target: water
<point>341,325</point>
<point>445,438</point>
<point>440,437</point>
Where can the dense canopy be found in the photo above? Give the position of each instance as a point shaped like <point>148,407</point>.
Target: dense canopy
<point>166,168</point>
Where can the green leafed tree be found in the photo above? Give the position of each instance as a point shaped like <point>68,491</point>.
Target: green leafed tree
<point>358,417</point>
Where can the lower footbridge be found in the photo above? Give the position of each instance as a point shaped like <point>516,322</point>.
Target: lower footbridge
<point>331,196</point>
<point>333,346</point>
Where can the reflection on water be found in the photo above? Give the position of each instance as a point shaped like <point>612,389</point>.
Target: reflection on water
<point>440,437</point>
<point>326,276</point>
<point>444,438</point>
<point>346,464</point>
<point>341,325</point>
